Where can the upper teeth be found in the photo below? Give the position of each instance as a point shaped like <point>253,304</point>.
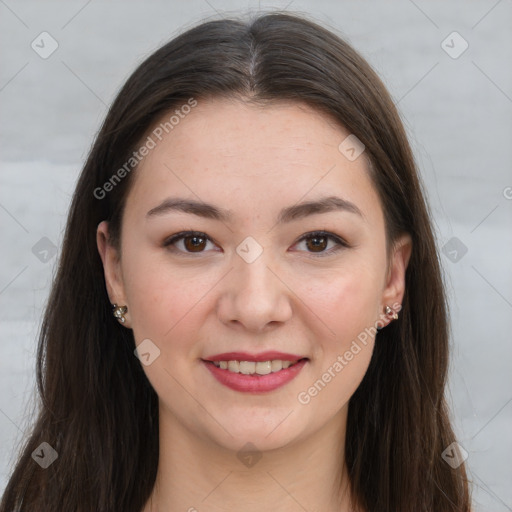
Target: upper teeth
<point>251,367</point>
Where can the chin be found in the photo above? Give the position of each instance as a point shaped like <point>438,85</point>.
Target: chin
<point>265,433</point>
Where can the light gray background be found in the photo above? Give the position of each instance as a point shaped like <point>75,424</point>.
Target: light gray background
<point>457,112</point>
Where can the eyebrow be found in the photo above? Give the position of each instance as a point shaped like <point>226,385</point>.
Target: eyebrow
<point>288,214</point>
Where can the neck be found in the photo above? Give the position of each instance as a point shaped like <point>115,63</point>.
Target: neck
<point>195,474</point>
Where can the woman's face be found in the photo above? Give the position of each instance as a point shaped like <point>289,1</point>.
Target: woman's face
<point>254,284</point>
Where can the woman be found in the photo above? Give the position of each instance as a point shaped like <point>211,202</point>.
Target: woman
<point>249,311</point>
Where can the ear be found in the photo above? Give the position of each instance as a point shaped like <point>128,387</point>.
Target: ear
<point>111,267</point>
<point>394,289</point>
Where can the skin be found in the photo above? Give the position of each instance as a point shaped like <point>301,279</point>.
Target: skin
<point>253,161</point>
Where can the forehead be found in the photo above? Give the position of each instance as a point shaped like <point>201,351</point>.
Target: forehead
<point>230,152</point>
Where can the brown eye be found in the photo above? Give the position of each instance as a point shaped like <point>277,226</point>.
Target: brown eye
<point>188,242</point>
<point>317,243</point>
<point>194,243</point>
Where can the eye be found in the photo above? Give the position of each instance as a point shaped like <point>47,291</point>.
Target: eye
<point>190,241</point>
<point>318,241</point>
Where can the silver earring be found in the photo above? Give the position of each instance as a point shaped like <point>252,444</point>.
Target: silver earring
<point>388,311</point>
<point>119,312</point>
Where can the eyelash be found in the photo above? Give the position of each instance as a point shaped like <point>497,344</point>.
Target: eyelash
<point>341,244</point>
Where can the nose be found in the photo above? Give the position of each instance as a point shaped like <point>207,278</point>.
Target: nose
<point>255,296</point>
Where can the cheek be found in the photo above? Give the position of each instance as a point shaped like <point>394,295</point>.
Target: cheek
<point>347,300</point>
<point>331,389</point>
<point>154,297</point>
<point>160,306</point>
<point>165,303</point>
<point>348,308</point>
<point>348,304</point>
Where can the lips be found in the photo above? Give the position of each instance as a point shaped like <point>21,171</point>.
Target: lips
<point>262,356</point>
<point>255,373</point>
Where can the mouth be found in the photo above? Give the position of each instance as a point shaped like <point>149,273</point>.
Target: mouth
<point>255,368</point>
<point>255,373</point>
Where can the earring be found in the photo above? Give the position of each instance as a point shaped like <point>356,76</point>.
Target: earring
<point>388,311</point>
<point>119,312</point>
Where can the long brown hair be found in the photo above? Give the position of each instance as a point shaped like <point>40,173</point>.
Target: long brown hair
<point>97,408</point>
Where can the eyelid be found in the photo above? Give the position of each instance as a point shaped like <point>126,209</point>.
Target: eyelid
<point>168,242</point>
<point>341,243</point>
